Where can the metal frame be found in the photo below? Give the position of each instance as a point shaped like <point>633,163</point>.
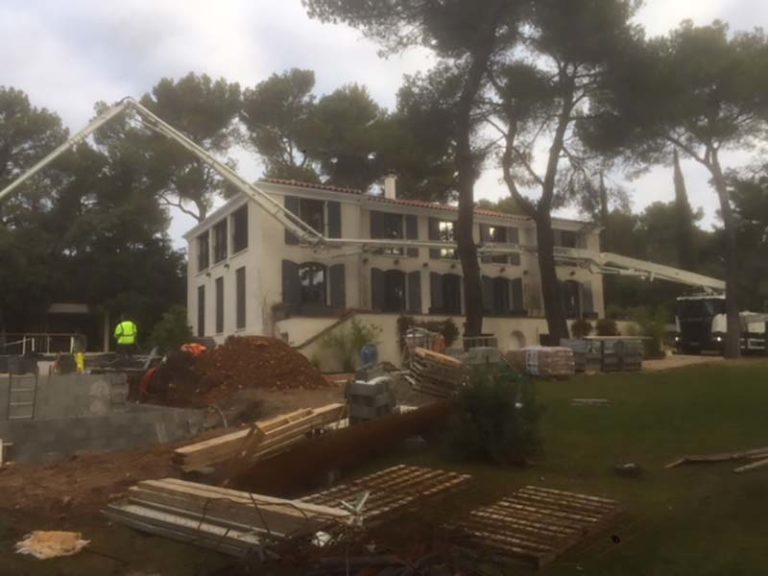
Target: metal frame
<point>603,263</point>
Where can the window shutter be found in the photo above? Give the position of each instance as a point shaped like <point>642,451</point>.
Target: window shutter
<point>292,205</point>
<point>334,220</point>
<point>412,233</point>
<point>338,287</point>
<point>434,234</point>
<point>291,285</point>
<point>436,292</point>
<point>414,292</point>
<point>377,290</point>
<point>487,286</point>
<point>587,300</point>
<point>513,236</point>
<point>485,233</point>
<point>517,295</point>
<point>377,230</point>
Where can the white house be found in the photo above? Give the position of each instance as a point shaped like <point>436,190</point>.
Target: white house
<point>248,275</point>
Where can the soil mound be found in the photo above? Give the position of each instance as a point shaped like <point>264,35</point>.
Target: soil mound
<point>255,362</point>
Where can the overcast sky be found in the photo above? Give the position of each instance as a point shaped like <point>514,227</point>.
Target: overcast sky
<point>67,55</point>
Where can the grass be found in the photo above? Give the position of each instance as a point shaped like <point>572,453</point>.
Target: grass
<point>700,519</point>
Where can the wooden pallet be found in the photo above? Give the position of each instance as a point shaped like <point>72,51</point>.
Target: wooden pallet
<point>231,521</point>
<point>392,491</point>
<point>537,524</point>
<point>264,439</point>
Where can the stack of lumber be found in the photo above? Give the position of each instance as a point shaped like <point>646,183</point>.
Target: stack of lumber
<point>550,362</point>
<point>435,374</point>
<point>757,458</point>
<point>229,521</point>
<point>537,524</point>
<point>263,440</point>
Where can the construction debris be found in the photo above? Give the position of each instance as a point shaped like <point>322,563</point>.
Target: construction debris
<point>590,402</point>
<point>392,491</point>
<point>753,466</point>
<point>44,545</point>
<point>550,362</point>
<point>435,374</point>
<point>537,524</point>
<point>229,521</point>
<point>756,454</point>
<point>258,442</point>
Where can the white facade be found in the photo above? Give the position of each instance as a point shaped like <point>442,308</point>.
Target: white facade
<point>414,282</point>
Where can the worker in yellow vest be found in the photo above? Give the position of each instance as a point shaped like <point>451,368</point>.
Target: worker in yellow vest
<point>126,333</point>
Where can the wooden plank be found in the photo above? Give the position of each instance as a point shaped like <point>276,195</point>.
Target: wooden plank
<point>195,489</point>
<point>752,466</point>
<point>718,457</point>
<point>280,432</point>
<point>436,357</point>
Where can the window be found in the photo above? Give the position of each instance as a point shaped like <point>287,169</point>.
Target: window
<point>312,281</point>
<point>203,251</point>
<point>219,305</point>
<point>445,292</point>
<point>566,238</point>
<point>325,217</point>
<point>240,298</point>
<point>571,295</point>
<point>313,288</point>
<point>395,291</point>
<point>240,229</point>
<point>502,296</point>
<point>220,241</point>
<point>492,234</point>
<point>201,311</point>
<point>389,226</point>
<point>442,231</point>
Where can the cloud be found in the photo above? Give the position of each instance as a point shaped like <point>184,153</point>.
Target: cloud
<point>69,55</point>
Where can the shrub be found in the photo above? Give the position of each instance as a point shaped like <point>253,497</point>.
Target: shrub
<point>172,330</point>
<point>607,327</point>
<point>496,419</point>
<point>581,328</point>
<point>653,325</point>
<point>346,343</point>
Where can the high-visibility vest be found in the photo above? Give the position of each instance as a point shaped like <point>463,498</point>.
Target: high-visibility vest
<point>126,333</point>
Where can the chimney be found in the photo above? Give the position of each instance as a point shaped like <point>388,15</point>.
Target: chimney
<point>390,186</point>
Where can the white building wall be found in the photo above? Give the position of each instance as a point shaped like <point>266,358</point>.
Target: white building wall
<point>267,248</point>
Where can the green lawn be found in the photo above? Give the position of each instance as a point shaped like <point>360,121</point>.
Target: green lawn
<point>692,520</point>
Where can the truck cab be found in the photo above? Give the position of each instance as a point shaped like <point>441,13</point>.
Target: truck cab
<point>701,325</point>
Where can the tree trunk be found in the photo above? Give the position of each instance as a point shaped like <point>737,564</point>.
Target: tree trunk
<point>550,286</point>
<point>733,338</point>
<point>467,174</point>
<point>686,251</point>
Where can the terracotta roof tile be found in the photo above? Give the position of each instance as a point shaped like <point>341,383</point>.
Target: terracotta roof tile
<point>312,185</point>
<point>396,201</point>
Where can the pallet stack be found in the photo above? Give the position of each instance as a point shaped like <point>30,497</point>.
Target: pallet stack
<point>435,374</point>
<point>262,440</point>
<point>550,362</point>
<point>229,521</point>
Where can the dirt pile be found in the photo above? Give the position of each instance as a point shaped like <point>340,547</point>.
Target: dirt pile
<point>254,362</point>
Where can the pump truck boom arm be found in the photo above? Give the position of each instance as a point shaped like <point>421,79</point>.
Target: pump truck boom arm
<point>605,263</point>
<point>290,221</point>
